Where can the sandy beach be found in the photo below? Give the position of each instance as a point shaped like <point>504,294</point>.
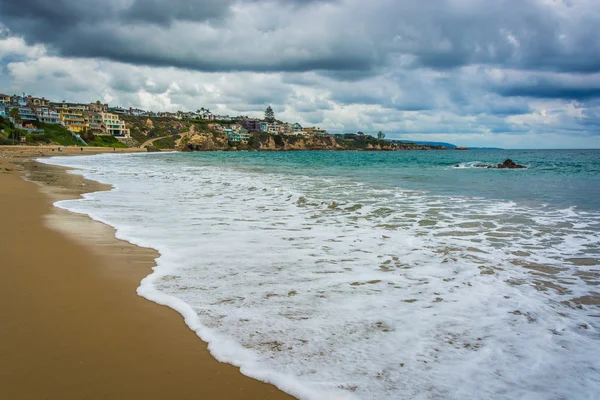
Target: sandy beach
<point>73,326</point>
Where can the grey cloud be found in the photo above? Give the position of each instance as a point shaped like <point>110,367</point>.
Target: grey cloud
<point>350,43</point>
<point>164,12</point>
<point>549,86</point>
<point>551,91</point>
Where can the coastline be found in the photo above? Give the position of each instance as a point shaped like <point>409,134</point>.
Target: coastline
<point>75,326</point>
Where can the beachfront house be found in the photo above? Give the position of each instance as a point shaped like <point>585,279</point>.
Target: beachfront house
<point>4,99</point>
<point>296,128</point>
<point>117,110</point>
<point>37,102</point>
<point>47,115</point>
<point>285,128</point>
<point>114,126</point>
<point>273,128</point>
<point>136,112</point>
<point>244,134</point>
<point>26,114</point>
<point>72,119</point>
<point>98,107</point>
<point>320,132</point>
<point>18,101</point>
<point>232,135</point>
<point>95,123</point>
<point>253,125</point>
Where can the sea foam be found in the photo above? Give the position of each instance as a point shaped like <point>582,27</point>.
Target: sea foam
<point>334,288</point>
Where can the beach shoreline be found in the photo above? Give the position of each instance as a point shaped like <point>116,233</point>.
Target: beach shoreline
<point>76,327</point>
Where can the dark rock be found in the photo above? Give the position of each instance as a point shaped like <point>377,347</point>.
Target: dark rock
<point>510,164</point>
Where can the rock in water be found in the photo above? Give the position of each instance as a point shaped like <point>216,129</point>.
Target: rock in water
<point>508,163</point>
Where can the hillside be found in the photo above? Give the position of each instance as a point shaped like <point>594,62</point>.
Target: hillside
<point>210,141</point>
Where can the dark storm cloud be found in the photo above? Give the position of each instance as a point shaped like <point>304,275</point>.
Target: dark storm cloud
<point>164,12</point>
<point>552,92</point>
<point>573,87</point>
<point>355,40</point>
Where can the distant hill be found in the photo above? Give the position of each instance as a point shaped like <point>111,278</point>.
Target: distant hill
<point>447,145</point>
<point>435,144</point>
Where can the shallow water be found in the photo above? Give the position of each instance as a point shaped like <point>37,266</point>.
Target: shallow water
<point>373,275</point>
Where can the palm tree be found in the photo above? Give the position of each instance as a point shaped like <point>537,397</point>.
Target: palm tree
<point>14,113</point>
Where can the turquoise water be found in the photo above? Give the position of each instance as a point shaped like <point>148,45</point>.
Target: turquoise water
<point>562,178</point>
<point>373,275</point>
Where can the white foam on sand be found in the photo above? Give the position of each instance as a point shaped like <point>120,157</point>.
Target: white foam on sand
<point>331,288</point>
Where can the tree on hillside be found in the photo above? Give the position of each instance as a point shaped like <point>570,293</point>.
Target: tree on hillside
<point>15,134</point>
<point>269,115</point>
<point>380,135</point>
<point>14,113</point>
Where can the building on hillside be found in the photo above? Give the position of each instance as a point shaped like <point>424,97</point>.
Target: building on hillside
<point>3,112</point>
<point>72,119</point>
<point>4,98</point>
<point>207,115</point>
<point>273,128</point>
<point>118,110</point>
<point>308,131</point>
<point>320,132</point>
<point>114,126</point>
<point>95,124</point>
<point>285,128</point>
<point>216,127</point>
<point>136,112</point>
<point>264,126</point>
<point>18,101</point>
<point>166,114</point>
<point>253,125</point>
<point>37,102</point>
<point>98,107</point>
<point>47,115</point>
<point>296,128</point>
<point>244,134</point>
<point>26,114</point>
<point>70,106</point>
<point>232,135</point>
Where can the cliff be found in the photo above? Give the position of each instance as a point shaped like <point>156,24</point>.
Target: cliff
<point>210,141</point>
<point>169,133</point>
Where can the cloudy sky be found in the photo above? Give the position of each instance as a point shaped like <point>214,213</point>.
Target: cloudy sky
<point>508,73</point>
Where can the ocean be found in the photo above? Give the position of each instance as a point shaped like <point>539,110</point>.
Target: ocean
<point>373,275</point>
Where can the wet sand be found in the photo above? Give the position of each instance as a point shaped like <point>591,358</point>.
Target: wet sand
<point>73,326</point>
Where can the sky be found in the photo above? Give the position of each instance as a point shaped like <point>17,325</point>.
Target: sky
<point>503,73</point>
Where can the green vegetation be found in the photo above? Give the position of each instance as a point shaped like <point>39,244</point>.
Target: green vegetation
<point>53,133</point>
<point>166,143</point>
<point>143,128</point>
<point>6,129</point>
<point>101,140</point>
<point>269,115</point>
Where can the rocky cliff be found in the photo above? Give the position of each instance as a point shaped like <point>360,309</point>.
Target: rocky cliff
<point>210,141</point>
<point>169,133</point>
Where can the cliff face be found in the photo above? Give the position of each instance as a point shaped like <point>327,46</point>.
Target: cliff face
<point>143,128</point>
<point>205,141</point>
<point>169,133</point>
<point>286,143</point>
<point>210,141</point>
